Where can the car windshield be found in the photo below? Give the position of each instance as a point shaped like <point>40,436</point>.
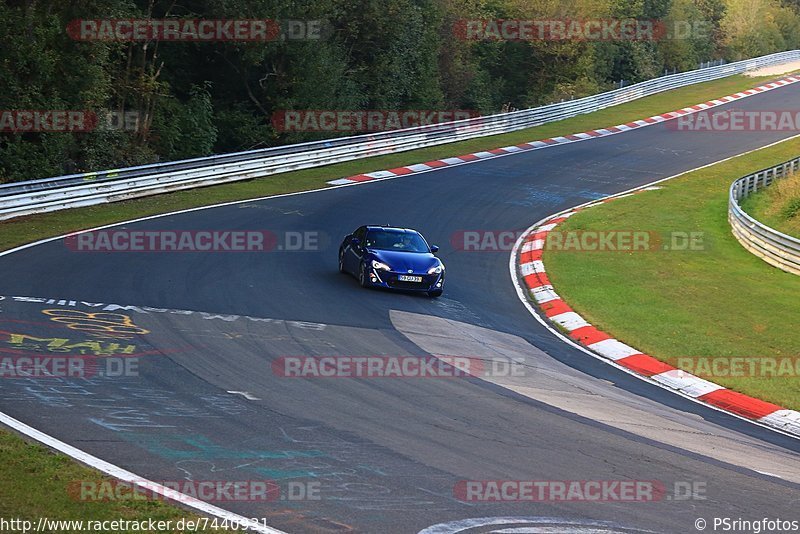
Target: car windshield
<point>399,240</point>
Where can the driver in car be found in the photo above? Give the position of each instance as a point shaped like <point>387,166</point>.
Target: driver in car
<point>404,243</point>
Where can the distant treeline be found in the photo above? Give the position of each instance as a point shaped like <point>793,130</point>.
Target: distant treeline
<point>158,99</point>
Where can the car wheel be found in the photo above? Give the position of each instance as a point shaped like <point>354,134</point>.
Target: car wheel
<point>341,262</point>
<point>362,276</point>
<point>434,294</point>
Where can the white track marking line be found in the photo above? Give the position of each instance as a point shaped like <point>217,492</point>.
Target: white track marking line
<point>247,395</point>
<point>127,476</point>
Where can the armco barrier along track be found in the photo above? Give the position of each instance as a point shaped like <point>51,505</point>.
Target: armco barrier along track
<point>572,138</point>
<point>53,194</point>
<point>772,246</point>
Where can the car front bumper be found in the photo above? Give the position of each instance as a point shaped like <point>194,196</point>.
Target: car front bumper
<point>389,280</point>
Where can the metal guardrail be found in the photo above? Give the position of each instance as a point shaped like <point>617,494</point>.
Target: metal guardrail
<point>38,196</point>
<point>776,248</point>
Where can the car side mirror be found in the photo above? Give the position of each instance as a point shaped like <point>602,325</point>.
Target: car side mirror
<point>434,249</point>
<point>355,241</point>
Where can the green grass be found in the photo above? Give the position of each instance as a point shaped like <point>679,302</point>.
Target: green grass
<point>777,206</point>
<point>35,482</point>
<point>24,230</point>
<point>721,301</point>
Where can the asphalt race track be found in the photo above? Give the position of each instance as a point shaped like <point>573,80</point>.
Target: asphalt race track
<point>387,455</point>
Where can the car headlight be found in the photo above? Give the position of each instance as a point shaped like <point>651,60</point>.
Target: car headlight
<point>436,269</point>
<point>380,266</point>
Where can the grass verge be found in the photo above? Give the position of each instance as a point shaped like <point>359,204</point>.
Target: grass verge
<point>26,229</point>
<point>35,483</point>
<point>777,206</point>
<point>718,302</point>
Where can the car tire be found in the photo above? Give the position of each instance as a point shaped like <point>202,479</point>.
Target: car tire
<point>341,262</point>
<point>362,276</point>
<point>435,294</point>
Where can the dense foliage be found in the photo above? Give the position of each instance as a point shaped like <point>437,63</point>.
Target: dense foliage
<point>197,98</point>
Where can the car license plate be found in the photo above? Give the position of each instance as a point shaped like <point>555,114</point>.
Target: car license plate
<point>407,278</point>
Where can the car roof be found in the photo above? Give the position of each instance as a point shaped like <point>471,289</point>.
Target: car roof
<point>390,228</point>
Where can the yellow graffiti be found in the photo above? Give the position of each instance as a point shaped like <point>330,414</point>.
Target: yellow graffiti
<point>30,343</point>
<point>105,325</point>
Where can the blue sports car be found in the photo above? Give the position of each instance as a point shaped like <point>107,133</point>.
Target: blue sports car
<point>394,258</point>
